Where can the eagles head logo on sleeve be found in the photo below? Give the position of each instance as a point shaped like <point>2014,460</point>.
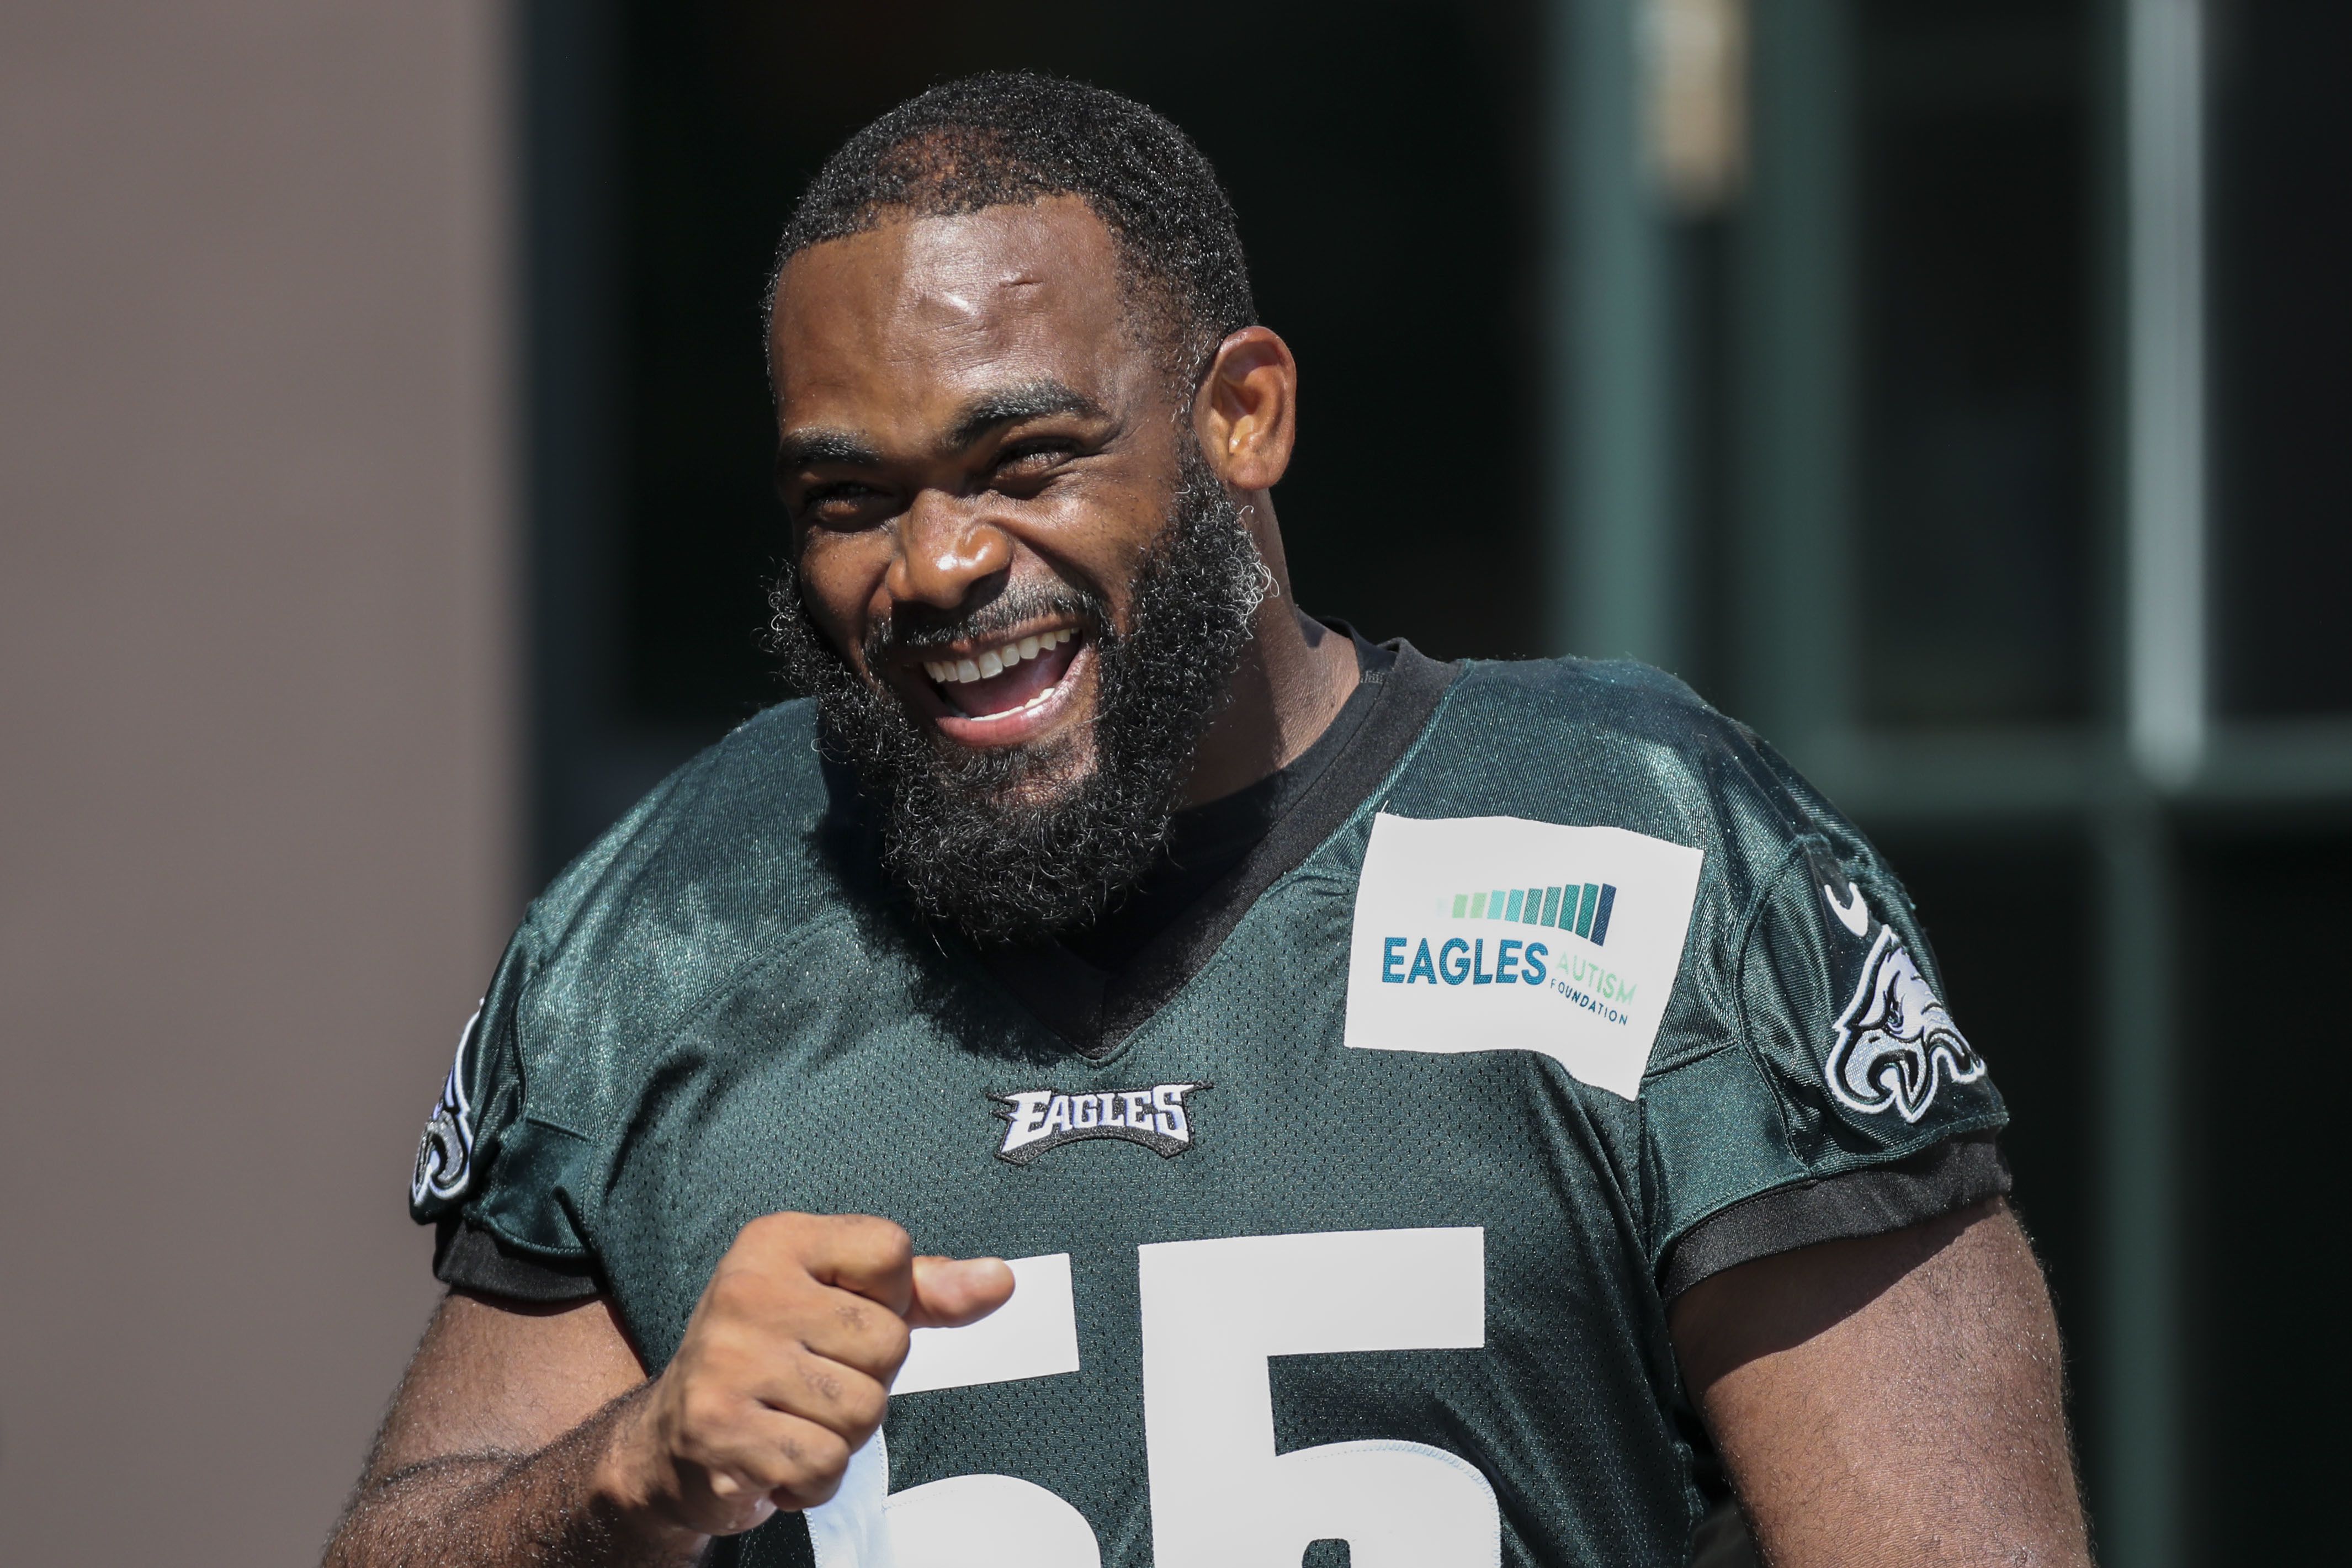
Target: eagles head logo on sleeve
<point>445,1154</point>
<point>1895,1043</point>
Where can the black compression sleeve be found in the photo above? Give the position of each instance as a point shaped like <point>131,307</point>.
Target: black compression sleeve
<point>1951,1175</point>
<point>473,1259</point>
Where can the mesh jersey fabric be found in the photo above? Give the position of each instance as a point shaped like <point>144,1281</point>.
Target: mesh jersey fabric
<point>721,1012</point>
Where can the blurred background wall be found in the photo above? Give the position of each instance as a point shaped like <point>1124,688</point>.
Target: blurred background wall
<point>1954,389</point>
<point>259,805</point>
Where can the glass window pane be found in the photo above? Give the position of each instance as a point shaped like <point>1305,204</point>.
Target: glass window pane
<point>2265,924</point>
<point>2282,259</point>
<point>1973,220</point>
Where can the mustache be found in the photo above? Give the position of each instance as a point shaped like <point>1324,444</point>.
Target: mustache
<point>965,837</point>
<point>915,628</point>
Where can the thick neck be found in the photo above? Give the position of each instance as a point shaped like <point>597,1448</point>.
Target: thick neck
<point>1294,678</point>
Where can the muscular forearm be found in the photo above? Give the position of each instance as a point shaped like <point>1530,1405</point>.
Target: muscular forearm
<point>535,1438</point>
<point>562,1507</point>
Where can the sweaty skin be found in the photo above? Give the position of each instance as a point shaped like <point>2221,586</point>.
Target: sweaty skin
<point>523,1437</point>
<point>1895,1400</point>
<point>963,405</point>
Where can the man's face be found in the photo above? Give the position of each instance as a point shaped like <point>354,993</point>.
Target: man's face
<point>975,452</point>
<point>1020,588</point>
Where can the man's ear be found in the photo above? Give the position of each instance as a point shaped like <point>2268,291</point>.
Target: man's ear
<point>1247,411</point>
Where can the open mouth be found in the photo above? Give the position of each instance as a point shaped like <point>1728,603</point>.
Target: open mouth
<point>1020,676</point>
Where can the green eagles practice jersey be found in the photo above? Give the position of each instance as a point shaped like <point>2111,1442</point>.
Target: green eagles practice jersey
<point>1357,1235</point>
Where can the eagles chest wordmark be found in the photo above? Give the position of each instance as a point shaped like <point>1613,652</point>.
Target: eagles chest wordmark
<point>1037,1120</point>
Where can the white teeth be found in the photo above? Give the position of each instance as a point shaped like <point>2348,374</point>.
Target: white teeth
<point>996,661</point>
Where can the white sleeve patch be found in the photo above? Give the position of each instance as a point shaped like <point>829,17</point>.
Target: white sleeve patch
<point>445,1154</point>
<point>1896,1045</point>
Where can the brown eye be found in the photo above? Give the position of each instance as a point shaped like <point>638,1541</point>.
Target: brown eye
<point>1032,462</point>
<point>844,502</point>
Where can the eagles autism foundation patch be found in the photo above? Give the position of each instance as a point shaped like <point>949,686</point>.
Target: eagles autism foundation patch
<point>1502,933</point>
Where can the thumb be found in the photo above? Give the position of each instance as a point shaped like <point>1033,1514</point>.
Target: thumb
<point>951,1292</point>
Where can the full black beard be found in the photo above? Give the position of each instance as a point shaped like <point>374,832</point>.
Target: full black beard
<point>1005,845</point>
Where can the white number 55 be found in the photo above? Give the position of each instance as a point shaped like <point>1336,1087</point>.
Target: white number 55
<point>1221,1497</point>
<point>1213,1312</point>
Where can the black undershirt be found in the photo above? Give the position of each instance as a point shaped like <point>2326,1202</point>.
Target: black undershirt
<point>1094,987</point>
<point>1207,841</point>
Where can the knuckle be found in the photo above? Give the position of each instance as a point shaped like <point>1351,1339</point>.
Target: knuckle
<point>891,1338</point>
<point>727,1291</point>
<point>738,1300</point>
<point>771,1230</point>
<point>806,1466</point>
<point>865,1403</point>
<point>742,1284</point>
<point>705,1409</point>
<point>824,1460</point>
<point>819,1378</point>
<point>886,1240</point>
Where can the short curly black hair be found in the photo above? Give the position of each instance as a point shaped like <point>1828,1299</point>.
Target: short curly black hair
<point>1010,138</point>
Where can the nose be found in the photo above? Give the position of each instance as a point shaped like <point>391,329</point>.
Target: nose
<point>945,547</point>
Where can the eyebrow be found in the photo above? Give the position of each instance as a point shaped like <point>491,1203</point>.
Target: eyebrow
<point>1009,405</point>
<point>989,411</point>
<point>801,448</point>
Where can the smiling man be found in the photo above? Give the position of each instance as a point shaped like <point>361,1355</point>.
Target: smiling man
<point>1435,1113</point>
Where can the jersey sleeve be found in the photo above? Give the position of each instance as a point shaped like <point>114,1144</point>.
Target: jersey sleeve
<point>1847,1101</point>
<point>498,1181</point>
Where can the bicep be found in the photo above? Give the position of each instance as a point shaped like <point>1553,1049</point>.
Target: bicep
<point>496,1378</point>
<point>1896,1398</point>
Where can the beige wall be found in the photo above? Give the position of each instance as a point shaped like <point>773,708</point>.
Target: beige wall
<point>256,722</point>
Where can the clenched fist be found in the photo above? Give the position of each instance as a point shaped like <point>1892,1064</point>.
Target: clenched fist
<point>785,1370</point>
